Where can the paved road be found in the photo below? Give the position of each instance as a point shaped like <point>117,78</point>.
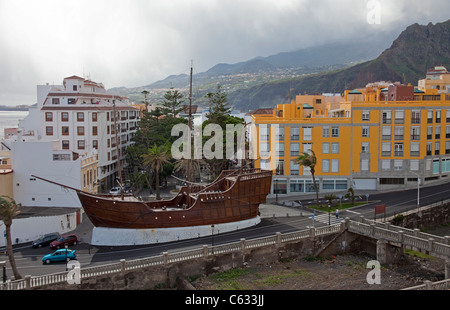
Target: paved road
<point>275,219</point>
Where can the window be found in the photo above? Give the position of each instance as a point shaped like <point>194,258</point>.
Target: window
<point>415,149</point>
<point>295,133</point>
<point>386,133</point>
<point>335,165</point>
<point>279,132</point>
<point>71,101</point>
<point>94,116</point>
<point>334,132</point>
<point>447,131</point>
<point>279,149</point>
<point>48,116</point>
<point>415,133</point>
<point>264,164</point>
<point>49,130</point>
<point>398,165</point>
<point>80,130</point>
<point>399,117</point>
<point>80,116</point>
<point>307,133</point>
<point>398,149</point>
<point>265,149</point>
<point>387,117</point>
<point>64,116</point>
<point>386,164</point>
<point>295,168</point>
<point>415,117</point>
<point>365,115</point>
<point>74,87</point>
<point>279,167</point>
<point>64,130</point>
<point>264,133</point>
<point>398,132</point>
<point>364,164</point>
<point>365,132</point>
<point>280,186</point>
<point>385,149</point>
<point>80,144</point>
<point>326,148</point>
<point>437,132</point>
<point>325,165</point>
<point>429,132</point>
<point>430,116</point>
<point>295,149</point>
<point>438,116</point>
<point>94,130</point>
<point>65,144</point>
<point>335,148</point>
<point>414,165</point>
<point>326,132</point>
<point>365,147</point>
<point>95,144</point>
<point>307,147</point>
<point>437,148</point>
<point>447,147</point>
<point>429,148</point>
<point>55,100</point>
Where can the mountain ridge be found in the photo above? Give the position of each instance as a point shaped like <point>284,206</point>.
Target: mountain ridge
<point>416,49</point>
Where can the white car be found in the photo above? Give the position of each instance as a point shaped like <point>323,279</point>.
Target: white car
<point>115,191</point>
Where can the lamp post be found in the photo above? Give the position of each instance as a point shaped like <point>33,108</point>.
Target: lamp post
<point>66,247</point>
<point>329,214</point>
<point>212,238</point>
<point>418,191</point>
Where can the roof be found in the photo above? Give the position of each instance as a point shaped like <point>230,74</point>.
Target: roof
<point>73,77</point>
<point>355,92</point>
<point>261,111</point>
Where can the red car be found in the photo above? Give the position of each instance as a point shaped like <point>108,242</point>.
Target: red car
<point>66,239</point>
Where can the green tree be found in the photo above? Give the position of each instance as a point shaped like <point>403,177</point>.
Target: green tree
<point>219,114</point>
<point>309,159</point>
<point>8,210</point>
<point>156,157</point>
<point>173,103</point>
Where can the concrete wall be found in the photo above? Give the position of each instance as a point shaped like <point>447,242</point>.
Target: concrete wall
<point>427,217</point>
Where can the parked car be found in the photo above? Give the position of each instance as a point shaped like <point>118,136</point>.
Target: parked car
<point>115,191</point>
<point>62,255</point>
<point>45,240</point>
<point>62,241</point>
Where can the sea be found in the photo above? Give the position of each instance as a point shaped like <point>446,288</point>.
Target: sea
<point>10,119</point>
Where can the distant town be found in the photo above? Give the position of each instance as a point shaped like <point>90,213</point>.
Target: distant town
<point>21,107</point>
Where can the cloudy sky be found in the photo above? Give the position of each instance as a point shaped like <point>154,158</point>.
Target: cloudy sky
<point>136,42</point>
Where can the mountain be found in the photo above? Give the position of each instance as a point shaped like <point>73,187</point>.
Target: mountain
<point>416,49</point>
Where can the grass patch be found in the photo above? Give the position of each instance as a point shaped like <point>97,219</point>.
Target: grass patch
<point>229,280</point>
<point>337,206</point>
<point>418,254</point>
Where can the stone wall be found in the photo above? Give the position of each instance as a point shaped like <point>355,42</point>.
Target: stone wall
<point>427,217</point>
<point>167,275</point>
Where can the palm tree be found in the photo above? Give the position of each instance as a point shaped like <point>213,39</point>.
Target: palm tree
<point>309,159</point>
<point>156,157</point>
<point>9,209</point>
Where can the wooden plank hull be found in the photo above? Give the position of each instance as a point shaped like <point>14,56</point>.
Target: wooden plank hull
<point>233,197</point>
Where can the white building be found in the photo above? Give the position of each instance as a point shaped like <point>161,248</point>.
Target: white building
<point>70,125</point>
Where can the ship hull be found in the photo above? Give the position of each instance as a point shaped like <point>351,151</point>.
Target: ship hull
<point>231,198</point>
<point>105,236</point>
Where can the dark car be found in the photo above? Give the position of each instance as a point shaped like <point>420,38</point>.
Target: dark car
<point>45,240</point>
<point>63,241</point>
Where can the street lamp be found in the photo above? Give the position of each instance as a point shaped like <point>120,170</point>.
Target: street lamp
<point>418,193</point>
<point>66,247</point>
<point>212,238</point>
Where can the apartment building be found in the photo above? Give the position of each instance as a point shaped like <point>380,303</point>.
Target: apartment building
<point>79,127</point>
<point>384,136</point>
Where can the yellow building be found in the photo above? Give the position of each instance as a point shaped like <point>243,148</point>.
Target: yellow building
<point>6,174</point>
<point>379,137</point>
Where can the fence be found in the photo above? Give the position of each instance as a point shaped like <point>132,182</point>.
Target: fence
<point>412,238</point>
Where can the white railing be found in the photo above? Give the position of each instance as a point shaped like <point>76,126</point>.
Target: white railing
<point>373,230</point>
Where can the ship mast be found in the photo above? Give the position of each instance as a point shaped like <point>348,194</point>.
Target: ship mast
<point>188,167</point>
